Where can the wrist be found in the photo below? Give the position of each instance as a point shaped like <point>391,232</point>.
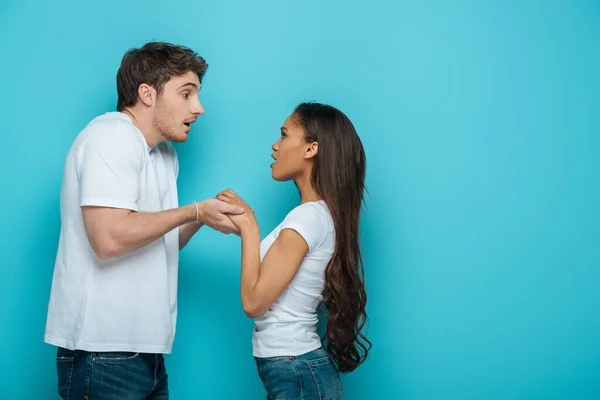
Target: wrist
<point>249,228</point>
<point>198,211</point>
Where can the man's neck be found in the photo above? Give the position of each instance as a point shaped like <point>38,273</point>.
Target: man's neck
<point>144,124</point>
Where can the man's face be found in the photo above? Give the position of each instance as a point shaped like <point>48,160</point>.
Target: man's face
<point>178,107</point>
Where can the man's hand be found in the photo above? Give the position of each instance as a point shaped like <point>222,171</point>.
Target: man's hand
<point>215,213</point>
<point>248,219</point>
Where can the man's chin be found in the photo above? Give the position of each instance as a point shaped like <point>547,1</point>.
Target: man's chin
<point>178,138</point>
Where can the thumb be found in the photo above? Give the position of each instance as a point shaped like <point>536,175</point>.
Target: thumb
<point>231,209</point>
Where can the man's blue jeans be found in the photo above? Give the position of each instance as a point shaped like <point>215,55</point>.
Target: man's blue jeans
<point>86,375</point>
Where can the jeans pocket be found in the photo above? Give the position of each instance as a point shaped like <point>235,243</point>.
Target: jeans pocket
<point>114,357</point>
<point>327,378</point>
<point>64,371</point>
<point>280,377</point>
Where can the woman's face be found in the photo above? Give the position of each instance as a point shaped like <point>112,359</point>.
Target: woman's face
<point>291,152</point>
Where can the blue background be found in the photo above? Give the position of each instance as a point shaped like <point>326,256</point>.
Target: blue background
<point>481,125</point>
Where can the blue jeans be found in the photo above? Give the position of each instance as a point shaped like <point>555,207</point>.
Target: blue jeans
<point>110,376</point>
<point>306,377</point>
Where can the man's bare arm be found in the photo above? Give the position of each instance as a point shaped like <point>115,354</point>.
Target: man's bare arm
<point>113,232</point>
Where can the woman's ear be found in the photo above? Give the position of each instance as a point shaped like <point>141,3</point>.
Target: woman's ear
<point>311,150</point>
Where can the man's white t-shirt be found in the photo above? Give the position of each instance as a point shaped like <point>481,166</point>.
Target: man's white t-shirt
<point>289,328</point>
<point>127,303</point>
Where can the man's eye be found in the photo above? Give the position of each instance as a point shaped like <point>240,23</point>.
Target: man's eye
<point>186,95</point>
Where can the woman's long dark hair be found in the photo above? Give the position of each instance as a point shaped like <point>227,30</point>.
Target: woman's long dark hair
<point>338,177</point>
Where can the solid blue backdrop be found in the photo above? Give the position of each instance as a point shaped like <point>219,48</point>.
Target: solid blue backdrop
<point>481,126</point>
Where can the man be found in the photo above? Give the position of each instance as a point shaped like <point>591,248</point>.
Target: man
<point>113,303</point>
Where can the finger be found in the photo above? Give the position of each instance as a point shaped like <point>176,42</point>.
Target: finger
<point>227,195</point>
<point>224,199</point>
<point>227,226</point>
<point>232,194</point>
<point>232,209</point>
<point>232,199</point>
<point>228,191</point>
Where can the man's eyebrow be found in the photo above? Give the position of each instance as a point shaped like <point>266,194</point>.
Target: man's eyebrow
<point>189,84</point>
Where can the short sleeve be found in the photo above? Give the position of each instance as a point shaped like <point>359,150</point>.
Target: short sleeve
<point>109,167</point>
<point>309,221</point>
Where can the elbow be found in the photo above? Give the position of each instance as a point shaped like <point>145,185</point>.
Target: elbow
<point>104,254</point>
<point>252,314</point>
<point>104,234</point>
<point>105,250</point>
<point>253,310</point>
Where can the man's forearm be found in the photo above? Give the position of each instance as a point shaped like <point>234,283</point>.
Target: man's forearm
<point>138,229</point>
<point>187,231</point>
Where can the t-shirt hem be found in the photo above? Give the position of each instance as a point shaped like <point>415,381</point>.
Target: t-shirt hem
<point>296,351</point>
<point>108,203</point>
<point>106,347</point>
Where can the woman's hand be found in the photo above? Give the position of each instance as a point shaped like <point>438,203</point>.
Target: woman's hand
<point>241,221</point>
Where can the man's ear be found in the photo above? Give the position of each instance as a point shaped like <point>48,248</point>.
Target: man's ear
<point>311,150</point>
<point>147,94</point>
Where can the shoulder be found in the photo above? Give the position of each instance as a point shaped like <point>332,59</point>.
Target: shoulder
<point>112,133</point>
<point>311,221</point>
<point>312,212</point>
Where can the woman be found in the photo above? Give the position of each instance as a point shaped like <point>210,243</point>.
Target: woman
<point>312,258</point>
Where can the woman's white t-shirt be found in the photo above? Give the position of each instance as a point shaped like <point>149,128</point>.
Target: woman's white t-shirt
<point>289,328</point>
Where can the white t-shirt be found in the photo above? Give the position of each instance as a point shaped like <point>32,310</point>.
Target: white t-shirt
<point>126,303</point>
<point>289,328</point>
